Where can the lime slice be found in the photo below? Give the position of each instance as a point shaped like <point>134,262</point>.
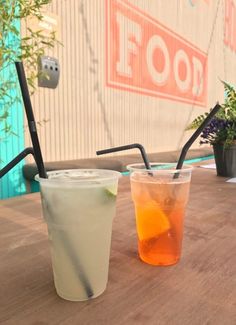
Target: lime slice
<point>151,222</point>
<point>111,191</point>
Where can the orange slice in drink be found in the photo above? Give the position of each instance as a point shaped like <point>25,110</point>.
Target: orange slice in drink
<point>151,221</point>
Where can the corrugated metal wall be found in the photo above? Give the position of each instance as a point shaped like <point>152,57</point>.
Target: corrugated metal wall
<point>84,115</point>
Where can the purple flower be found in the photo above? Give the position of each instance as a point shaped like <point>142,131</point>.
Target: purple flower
<point>212,130</point>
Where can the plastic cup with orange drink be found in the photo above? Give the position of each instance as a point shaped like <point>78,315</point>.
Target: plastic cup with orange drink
<point>160,198</point>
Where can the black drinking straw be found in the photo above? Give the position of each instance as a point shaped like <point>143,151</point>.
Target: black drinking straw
<point>40,165</point>
<point>16,160</point>
<point>31,120</point>
<point>128,147</point>
<point>195,135</point>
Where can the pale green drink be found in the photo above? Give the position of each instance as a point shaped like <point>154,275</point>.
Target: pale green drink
<point>79,206</point>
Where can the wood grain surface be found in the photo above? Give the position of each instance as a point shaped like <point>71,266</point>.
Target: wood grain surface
<point>200,289</point>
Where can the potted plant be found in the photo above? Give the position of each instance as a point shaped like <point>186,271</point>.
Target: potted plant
<point>221,134</point>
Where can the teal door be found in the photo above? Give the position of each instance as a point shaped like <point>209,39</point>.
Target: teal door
<point>11,127</point>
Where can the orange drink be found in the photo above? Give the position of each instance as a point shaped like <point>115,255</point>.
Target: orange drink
<point>160,197</point>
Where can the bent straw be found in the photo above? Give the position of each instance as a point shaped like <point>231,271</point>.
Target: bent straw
<point>16,160</point>
<point>194,137</point>
<point>31,121</point>
<point>127,147</point>
<point>40,165</point>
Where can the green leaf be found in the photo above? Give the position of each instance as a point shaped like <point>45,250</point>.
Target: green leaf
<point>32,46</point>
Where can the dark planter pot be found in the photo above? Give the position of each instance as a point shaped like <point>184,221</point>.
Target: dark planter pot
<point>225,159</point>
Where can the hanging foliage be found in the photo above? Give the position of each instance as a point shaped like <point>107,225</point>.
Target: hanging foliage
<point>16,47</point>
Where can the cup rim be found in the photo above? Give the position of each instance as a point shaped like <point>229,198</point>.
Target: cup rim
<point>111,175</point>
<point>135,168</point>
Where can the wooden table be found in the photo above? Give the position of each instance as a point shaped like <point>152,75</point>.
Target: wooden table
<point>200,289</point>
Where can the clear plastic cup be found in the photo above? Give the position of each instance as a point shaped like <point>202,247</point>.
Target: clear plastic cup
<point>160,197</point>
<point>79,206</point>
